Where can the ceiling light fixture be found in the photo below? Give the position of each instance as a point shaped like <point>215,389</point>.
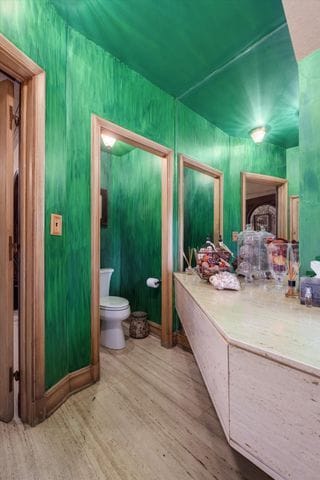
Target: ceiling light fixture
<point>108,140</point>
<point>258,134</point>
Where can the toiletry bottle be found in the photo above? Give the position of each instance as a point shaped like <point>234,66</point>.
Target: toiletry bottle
<point>308,297</point>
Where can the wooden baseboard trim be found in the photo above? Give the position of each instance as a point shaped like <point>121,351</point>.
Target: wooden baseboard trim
<point>38,412</point>
<point>180,339</point>
<point>67,386</point>
<point>95,372</point>
<point>155,328</point>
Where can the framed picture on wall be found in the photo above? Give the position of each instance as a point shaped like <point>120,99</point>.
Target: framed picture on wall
<point>262,220</point>
<point>103,207</point>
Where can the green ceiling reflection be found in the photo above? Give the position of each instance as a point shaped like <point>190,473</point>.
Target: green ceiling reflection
<point>178,43</point>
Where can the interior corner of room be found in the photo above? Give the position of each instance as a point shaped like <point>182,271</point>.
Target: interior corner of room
<point>134,136</point>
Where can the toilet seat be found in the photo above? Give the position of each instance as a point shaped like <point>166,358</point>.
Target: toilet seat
<point>111,303</point>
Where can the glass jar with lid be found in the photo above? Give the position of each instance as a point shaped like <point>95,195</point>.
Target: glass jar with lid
<point>252,253</point>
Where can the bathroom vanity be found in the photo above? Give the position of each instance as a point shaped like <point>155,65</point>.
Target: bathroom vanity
<point>259,355</point>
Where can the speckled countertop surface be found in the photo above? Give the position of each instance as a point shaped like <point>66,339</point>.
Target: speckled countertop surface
<point>261,319</point>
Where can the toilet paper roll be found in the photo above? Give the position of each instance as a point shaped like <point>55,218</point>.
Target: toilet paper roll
<point>153,282</point>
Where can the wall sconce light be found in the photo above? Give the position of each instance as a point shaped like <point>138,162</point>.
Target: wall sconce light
<point>258,134</point>
<point>108,140</point>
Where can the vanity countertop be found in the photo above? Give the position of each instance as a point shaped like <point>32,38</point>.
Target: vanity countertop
<point>262,320</point>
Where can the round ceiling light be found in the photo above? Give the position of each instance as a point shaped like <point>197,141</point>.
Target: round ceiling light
<point>108,140</point>
<point>258,134</point>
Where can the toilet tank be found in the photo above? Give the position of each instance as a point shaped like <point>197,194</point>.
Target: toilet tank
<point>105,277</point>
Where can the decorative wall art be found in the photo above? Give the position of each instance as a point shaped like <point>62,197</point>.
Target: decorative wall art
<point>103,207</point>
<point>262,220</point>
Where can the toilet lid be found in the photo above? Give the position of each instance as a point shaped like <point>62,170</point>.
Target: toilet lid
<point>113,303</point>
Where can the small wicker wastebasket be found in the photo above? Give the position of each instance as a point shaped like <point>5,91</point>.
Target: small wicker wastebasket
<point>139,326</point>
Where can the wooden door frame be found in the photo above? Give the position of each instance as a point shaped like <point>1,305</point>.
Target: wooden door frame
<point>217,175</point>
<point>282,201</point>
<point>6,259</point>
<point>31,167</point>
<point>291,199</point>
<point>98,125</point>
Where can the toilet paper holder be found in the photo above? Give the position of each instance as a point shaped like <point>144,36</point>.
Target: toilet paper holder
<point>153,282</point>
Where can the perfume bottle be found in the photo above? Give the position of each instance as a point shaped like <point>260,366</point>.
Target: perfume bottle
<point>308,297</point>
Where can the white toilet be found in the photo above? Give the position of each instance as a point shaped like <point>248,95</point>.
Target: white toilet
<point>113,310</point>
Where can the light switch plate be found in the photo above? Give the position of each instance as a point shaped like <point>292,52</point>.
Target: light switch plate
<point>56,224</point>
<point>235,236</point>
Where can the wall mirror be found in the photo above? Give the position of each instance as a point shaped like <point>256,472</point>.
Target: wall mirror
<point>200,205</point>
<point>265,203</point>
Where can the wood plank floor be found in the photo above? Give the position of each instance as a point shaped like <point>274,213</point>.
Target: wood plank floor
<point>149,418</point>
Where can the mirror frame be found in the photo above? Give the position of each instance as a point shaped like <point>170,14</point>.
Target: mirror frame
<point>217,175</point>
<point>292,200</point>
<point>282,198</point>
<point>98,126</point>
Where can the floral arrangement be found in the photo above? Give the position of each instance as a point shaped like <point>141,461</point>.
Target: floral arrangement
<point>212,260</point>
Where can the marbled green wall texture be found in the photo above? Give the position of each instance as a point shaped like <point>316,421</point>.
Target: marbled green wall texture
<point>110,239</point>
<point>131,244</point>
<point>201,141</point>
<point>198,208</point>
<point>83,79</point>
<point>41,34</point>
<point>309,158</point>
<point>293,171</point>
<point>98,83</point>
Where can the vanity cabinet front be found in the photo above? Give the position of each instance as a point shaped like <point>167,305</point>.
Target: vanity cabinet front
<point>210,350</point>
<point>275,415</point>
<point>262,373</point>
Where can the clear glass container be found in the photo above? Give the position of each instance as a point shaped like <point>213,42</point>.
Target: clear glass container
<point>293,269</point>
<point>278,261</point>
<point>252,253</point>
<point>308,297</point>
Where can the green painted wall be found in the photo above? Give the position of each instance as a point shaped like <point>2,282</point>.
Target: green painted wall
<point>83,79</point>
<point>309,74</point>
<point>41,34</point>
<point>293,171</point>
<point>115,92</point>
<point>110,246</point>
<point>131,244</point>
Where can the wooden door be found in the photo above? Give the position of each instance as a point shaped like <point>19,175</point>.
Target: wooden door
<point>294,218</point>
<point>6,250</point>
<point>282,210</point>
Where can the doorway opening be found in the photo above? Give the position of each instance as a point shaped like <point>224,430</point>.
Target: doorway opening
<point>9,211</point>
<point>99,126</point>
<point>130,236</point>
<point>27,232</point>
<point>265,203</point>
